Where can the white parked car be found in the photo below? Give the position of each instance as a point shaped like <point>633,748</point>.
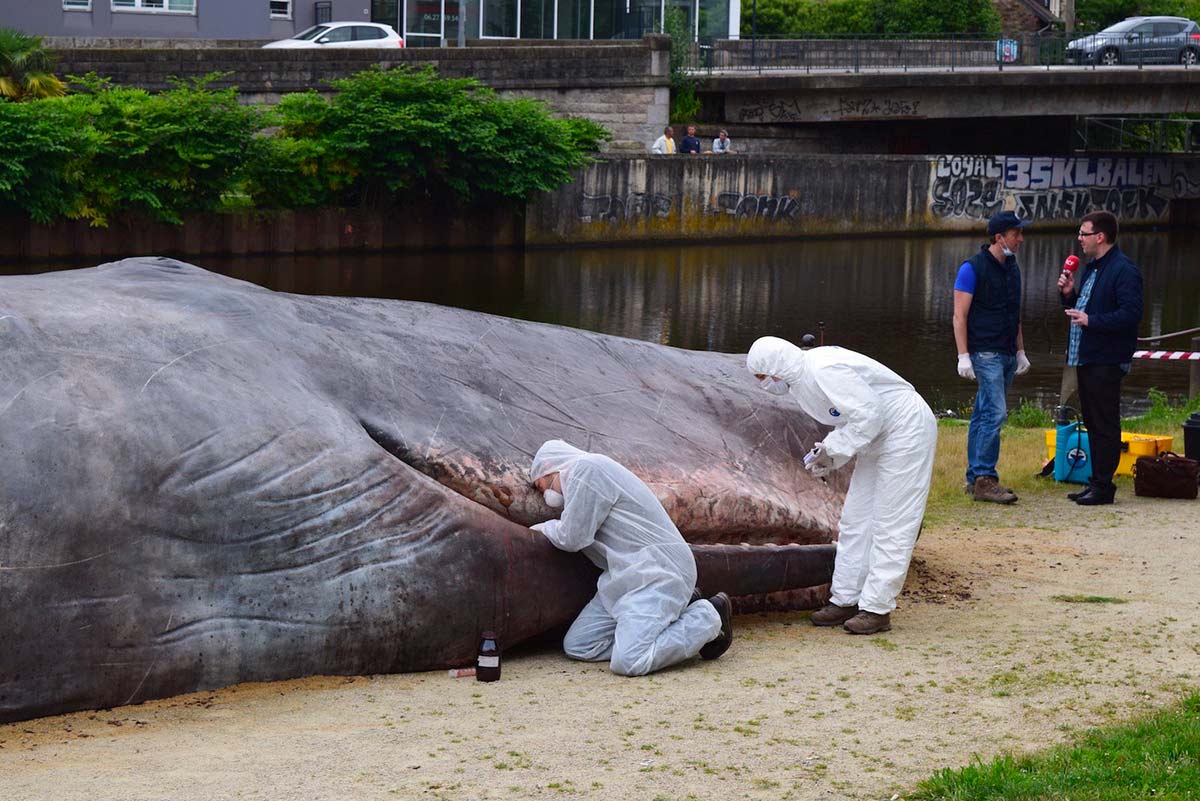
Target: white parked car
<point>343,34</point>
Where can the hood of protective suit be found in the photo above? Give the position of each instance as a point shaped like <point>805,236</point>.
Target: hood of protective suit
<point>555,456</point>
<point>777,357</point>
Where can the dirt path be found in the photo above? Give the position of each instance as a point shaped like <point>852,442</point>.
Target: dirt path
<point>982,660</point>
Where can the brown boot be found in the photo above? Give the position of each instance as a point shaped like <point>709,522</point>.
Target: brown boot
<point>868,623</point>
<point>987,488</point>
<point>833,615</point>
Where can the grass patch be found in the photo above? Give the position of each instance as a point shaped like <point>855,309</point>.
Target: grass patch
<point>1163,416</point>
<point>1087,599</point>
<point>1156,757</point>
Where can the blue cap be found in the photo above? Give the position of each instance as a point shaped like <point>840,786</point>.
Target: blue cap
<point>1005,221</point>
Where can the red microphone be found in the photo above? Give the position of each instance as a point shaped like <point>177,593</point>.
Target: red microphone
<point>1071,264</point>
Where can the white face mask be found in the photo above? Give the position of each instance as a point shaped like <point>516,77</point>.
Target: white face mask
<point>553,499</point>
<point>774,385</point>
<point>1004,249</point>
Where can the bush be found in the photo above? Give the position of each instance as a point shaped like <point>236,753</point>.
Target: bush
<point>403,131</point>
<point>385,134</point>
<point>827,17</point>
<point>1030,415</point>
<point>164,154</point>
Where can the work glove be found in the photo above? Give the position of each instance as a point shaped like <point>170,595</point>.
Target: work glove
<point>817,461</point>
<point>965,370</point>
<point>1023,364</point>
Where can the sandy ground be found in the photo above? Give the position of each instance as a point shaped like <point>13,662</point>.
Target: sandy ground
<point>982,660</point>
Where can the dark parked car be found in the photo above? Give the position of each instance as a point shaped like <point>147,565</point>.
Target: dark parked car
<point>1140,40</point>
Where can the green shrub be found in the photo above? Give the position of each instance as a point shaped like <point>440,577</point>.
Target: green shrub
<point>386,134</point>
<point>1163,415</point>
<point>405,132</point>
<point>826,17</point>
<point>44,147</point>
<point>1029,415</point>
<point>161,154</point>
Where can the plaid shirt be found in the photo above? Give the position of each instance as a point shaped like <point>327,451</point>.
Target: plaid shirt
<point>1076,332</point>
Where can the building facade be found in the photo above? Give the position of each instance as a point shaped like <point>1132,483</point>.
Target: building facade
<point>420,22</point>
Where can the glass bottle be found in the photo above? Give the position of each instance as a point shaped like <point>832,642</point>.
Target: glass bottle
<point>488,666</point>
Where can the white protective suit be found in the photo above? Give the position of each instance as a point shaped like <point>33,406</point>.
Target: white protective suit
<point>639,619</point>
<point>877,416</point>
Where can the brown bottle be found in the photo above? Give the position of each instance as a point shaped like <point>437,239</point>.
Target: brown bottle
<point>488,666</point>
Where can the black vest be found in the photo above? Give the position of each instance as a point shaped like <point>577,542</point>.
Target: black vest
<point>995,313</point>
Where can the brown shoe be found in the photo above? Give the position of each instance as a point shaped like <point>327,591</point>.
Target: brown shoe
<point>833,615</point>
<point>868,623</point>
<point>720,644</point>
<point>987,488</point>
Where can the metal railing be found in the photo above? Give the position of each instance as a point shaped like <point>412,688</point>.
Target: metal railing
<point>902,52</point>
<point>1137,134</point>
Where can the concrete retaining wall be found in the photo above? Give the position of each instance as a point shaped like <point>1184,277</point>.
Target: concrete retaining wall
<point>304,231</point>
<point>680,198</point>
<point>669,198</point>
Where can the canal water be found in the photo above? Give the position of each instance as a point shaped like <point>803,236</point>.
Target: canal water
<point>891,298</point>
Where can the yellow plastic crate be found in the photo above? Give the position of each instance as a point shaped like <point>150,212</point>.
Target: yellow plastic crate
<point>1134,445</point>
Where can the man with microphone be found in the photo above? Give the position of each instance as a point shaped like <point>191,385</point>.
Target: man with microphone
<point>991,349</point>
<point>1104,308</point>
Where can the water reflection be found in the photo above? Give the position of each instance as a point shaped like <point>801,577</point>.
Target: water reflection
<point>889,298</point>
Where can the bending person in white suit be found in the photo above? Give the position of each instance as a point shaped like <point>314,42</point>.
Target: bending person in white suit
<point>644,617</point>
<point>879,418</point>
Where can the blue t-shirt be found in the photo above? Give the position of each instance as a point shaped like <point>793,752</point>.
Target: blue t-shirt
<point>965,282</point>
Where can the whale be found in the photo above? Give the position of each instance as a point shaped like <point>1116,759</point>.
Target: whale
<point>205,482</point>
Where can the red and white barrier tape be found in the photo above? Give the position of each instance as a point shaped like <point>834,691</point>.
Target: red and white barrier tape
<point>1168,355</point>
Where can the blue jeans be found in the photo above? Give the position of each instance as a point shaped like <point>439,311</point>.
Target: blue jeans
<point>994,371</point>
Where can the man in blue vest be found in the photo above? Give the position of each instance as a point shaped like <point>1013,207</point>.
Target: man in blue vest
<point>991,350</point>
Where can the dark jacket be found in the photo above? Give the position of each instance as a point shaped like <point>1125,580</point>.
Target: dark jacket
<point>995,314</point>
<point>689,144</point>
<point>1114,309</point>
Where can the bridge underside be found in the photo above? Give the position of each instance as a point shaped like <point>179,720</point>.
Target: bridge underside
<point>1033,136</point>
<point>1028,111</point>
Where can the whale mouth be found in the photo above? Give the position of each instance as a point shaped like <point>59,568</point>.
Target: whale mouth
<point>707,506</point>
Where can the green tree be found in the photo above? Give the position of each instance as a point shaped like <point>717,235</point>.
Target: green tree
<point>25,68</point>
<point>827,17</point>
<point>684,103</point>
<point>1092,15</point>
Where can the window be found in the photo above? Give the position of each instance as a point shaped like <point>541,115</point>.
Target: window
<point>364,32</point>
<point>1167,28</point>
<point>341,34</point>
<point>281,9</point>
<point>77,5</point>
<point>156,6</point>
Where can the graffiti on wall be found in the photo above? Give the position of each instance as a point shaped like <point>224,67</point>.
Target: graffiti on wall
<point>1058,188</point>
<point>781,108</point>
<point>756,206</point>
<point>617,209</point>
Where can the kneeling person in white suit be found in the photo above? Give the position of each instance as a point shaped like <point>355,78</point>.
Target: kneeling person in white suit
<point>879,418</point>
<point>643,617</point>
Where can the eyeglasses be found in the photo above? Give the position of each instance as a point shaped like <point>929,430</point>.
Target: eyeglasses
<point>1090,233</point>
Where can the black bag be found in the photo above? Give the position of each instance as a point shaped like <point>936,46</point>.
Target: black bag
<point>1167,475</point>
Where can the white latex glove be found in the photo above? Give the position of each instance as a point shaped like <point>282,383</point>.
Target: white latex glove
<point>965,370</point>
<point>541,527</point>
<point>1023,364</point>
<point>817,461</point>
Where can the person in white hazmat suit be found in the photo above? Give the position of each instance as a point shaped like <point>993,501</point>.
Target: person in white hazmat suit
<point>879,418</point>
<point>644,616</point>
